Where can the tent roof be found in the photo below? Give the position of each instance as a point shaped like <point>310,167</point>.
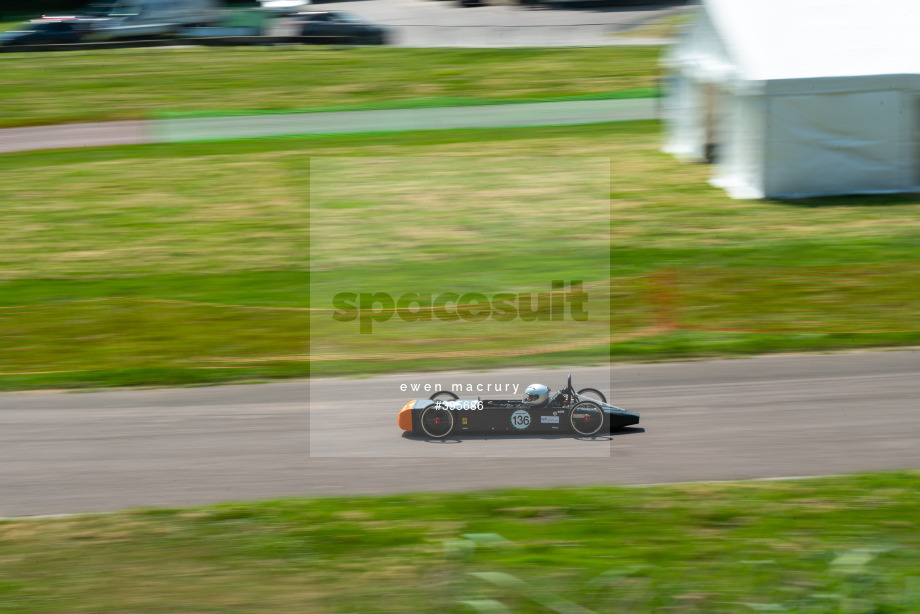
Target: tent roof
<point>796,39</point>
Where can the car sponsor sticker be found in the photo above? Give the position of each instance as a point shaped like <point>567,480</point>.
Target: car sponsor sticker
<point>464,420</point>
<point>520,419</point>
<point>549,419</point>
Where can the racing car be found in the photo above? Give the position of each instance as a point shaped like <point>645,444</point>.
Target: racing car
<point>583,413</point>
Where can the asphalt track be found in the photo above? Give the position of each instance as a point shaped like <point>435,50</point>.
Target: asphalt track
<point>339,122</point>
<point>718,420</point>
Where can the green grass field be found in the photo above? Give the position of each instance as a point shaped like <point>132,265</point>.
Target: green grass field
<point>48,88</point>
<point>847,544</point>
<point>181,264</point>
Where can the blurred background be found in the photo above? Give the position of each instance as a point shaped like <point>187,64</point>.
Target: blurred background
<point>182,203</point>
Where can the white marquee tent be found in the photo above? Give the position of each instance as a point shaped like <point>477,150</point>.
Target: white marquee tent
<point>799,98</point>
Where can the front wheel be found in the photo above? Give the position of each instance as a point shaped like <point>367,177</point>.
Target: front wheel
<point>447,394</point>
<point>437,421</point>
<point>587,418</point>
<point>593,392</point>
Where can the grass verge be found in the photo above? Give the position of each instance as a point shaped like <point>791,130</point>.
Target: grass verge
<point>79,86</point>
<point>843,544</point>
<point>113,275</point>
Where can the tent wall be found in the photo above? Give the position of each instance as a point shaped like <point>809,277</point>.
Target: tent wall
<point>841,143</point>
<point>684,114</point>
<point>740,161</point>
<point>797,108</point>
<point>697,64</point>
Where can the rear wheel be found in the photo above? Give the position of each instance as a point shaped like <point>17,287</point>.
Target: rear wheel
<point>587,418</point>
<point>437,421</point>
<point>593,392</point>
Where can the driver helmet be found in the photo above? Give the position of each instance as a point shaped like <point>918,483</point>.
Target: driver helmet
<point>536,394</point>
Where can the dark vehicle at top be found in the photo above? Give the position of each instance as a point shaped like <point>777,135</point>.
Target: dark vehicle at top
<point>46,32</point>
<point>584,413</point>
<point>337,27</point>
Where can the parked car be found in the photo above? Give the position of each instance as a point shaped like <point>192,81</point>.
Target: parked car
<point>113,19</point>
<point>338,28</point>
<point>46,32</point>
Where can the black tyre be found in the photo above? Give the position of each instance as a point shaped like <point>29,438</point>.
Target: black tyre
<point>444,394</point>
<point>587,418</point>
<point>593,392</point>
<point>437,421</point>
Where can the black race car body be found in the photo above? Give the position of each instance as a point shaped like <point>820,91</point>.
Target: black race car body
<point>579,413</point>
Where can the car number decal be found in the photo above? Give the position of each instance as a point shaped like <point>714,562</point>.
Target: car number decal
<point>520,419</point>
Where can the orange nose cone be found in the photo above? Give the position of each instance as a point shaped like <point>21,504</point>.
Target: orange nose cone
<point>405,416</point>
